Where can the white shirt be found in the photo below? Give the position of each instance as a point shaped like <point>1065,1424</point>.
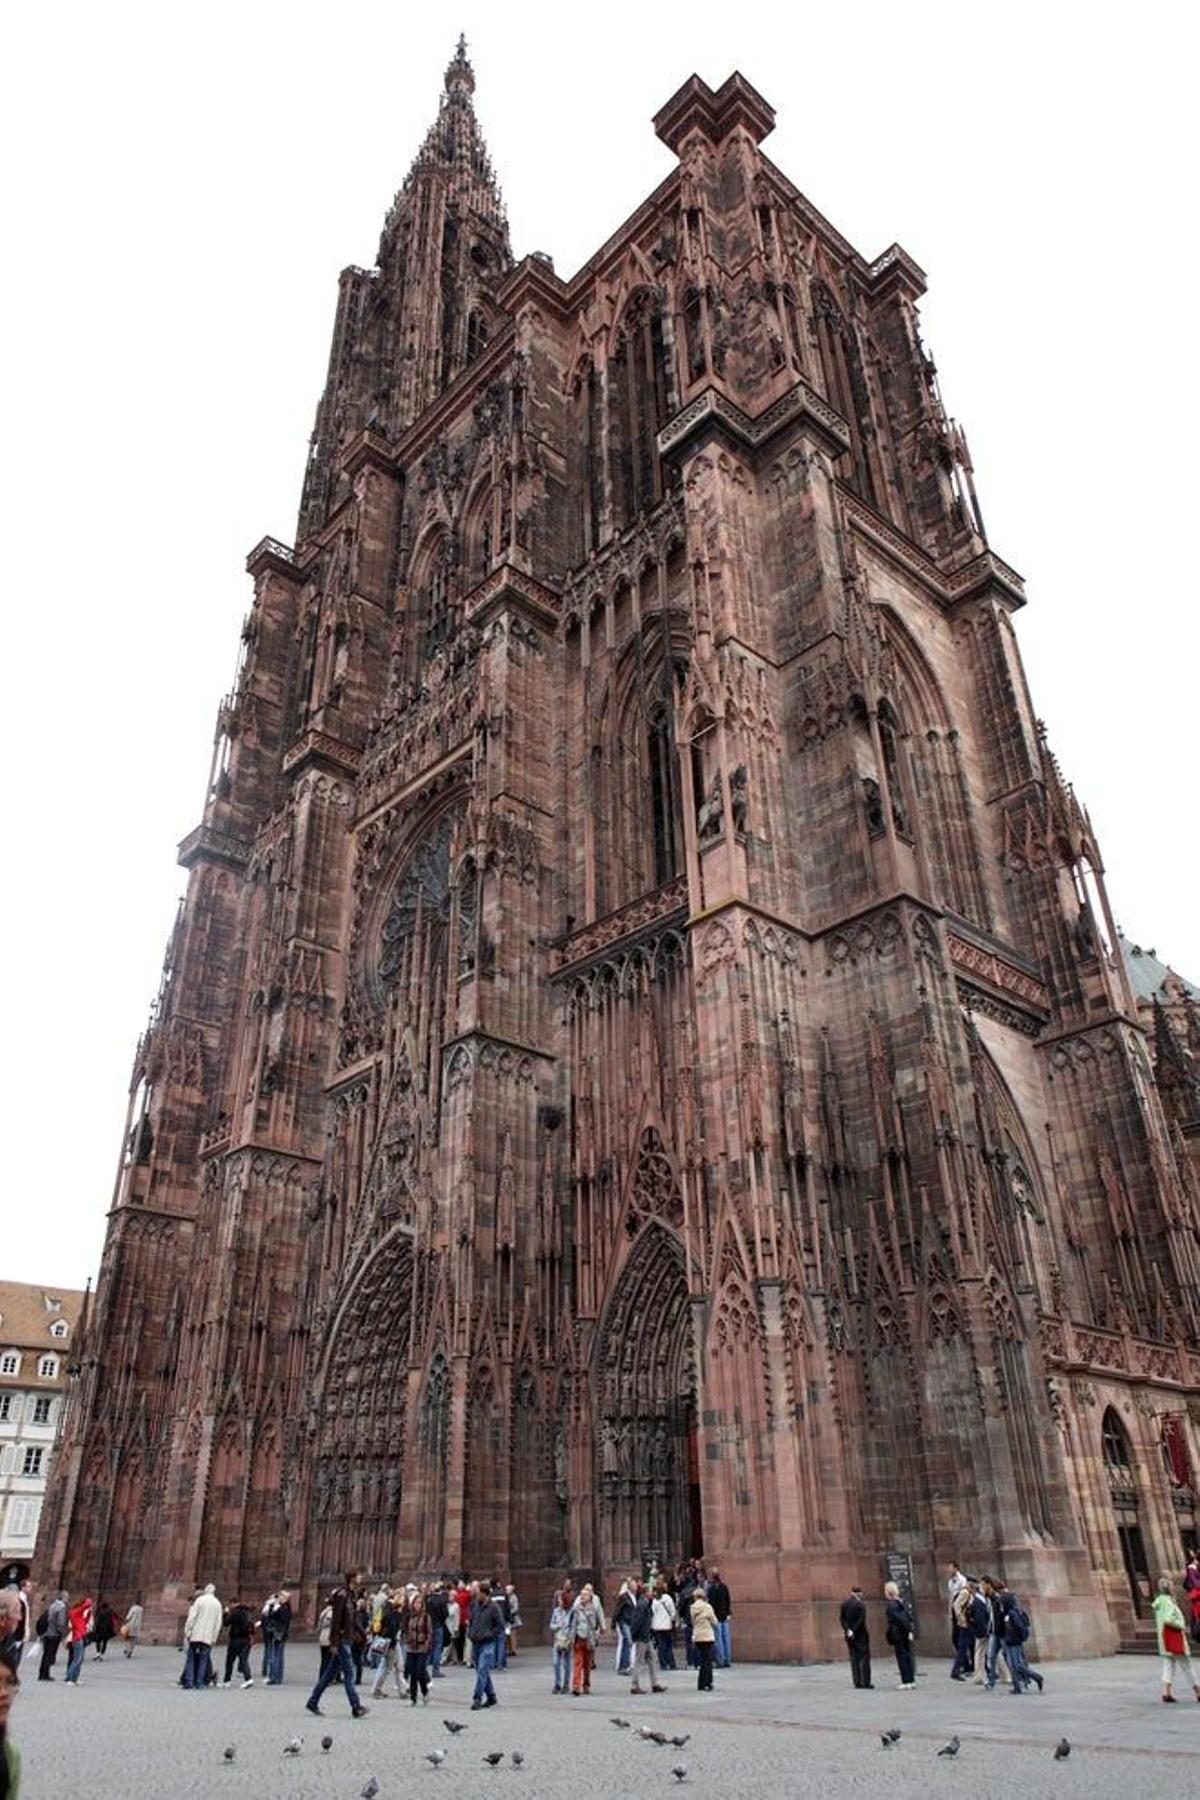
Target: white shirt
<point>662,1613</point>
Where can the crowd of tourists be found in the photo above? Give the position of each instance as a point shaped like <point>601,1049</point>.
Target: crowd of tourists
<point>401,1637</point>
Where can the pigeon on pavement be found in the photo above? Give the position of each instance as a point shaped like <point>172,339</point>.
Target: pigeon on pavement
<point>293,1747</point>
<point>327,1744</point>
<point>677,1743</point>
<point>621,1724</point>
<point>436,1757</point>
<point>493,1757</point>
<point>894,1735</point>
<point>518,1759</point>
<point>229,1753</point>
<point>885,1739</point>
<point>453,1726</point>
<point>1062,1750</point>
<point>371,1789</point>
<point>680,1771</point>
<point>950,1749</point>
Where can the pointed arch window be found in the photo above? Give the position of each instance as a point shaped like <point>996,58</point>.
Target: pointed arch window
<point>637,393</point>
<point>477,334</point>
<point>695,348</point>
<point>435,596</point>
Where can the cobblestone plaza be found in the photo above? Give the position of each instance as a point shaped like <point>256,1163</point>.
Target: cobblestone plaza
<point>767,1730</point>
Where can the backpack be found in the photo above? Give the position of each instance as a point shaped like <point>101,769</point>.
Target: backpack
<point>1018,1623</point>
<point>43,1624</point>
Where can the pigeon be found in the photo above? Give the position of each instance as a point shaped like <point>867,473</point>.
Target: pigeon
<point>327,1744</point>
<point>453,1726</point>
<point>677,1743</point>
<point>885,1739</point>
<point>894,1735</point>
<point>621,1724</point>
<point>229,1753</point>
<point>371,1789</point>
<point>950,1749</point>
<point>493,1757</point>
<point>436,1757</point>
<point>657,1737</point>
<point>518,1759</point>
<point>293,1748</point>
<point>1062,1750</point>
<point>680,1771</point>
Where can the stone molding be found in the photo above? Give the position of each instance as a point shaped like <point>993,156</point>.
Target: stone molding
<point>711,410</point>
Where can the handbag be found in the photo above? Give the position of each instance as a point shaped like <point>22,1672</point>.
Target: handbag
<point>562,1640</point>
<point>1173,1641</point>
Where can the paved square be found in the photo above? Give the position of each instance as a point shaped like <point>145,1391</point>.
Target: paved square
<point>766,1731</point>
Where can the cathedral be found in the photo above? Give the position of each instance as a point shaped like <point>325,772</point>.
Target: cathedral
<point>645,1064</point>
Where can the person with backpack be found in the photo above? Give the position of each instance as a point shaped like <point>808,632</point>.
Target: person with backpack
<point>901,1634</point>
<point>1016,1633</point>
<point>343,1608</point>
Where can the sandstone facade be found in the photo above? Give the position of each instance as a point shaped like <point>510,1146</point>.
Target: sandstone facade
<point>643,1062</point>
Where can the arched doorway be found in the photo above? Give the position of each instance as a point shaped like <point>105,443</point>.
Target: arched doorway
<point>648,1481</point>
<point>1123,1491</point>
<point>361,1418</point>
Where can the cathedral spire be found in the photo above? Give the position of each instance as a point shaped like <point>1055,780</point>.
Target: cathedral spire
<point>453,148</point>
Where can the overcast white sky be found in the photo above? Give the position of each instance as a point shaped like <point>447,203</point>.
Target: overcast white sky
<point>183,186</point>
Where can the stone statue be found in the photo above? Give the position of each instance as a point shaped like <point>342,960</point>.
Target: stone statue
<point>708,819</point>
<point>873,806</point>
<point>739,796</point>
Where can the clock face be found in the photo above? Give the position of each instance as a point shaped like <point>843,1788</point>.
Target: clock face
<point>421,899</point>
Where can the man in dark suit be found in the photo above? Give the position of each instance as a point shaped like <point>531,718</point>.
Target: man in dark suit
<point>858,1641</point>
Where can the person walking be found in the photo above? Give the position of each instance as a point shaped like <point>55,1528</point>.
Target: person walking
<point>437,1605</point>
<point>239,1626</point>
<point>342,1621</point>
<point>585,1623</point>
<point>1016,1634</point>
<point>201,1631</point>
<point>57,1628</point>
<point>1191,1588</point>
<point>560,1637</point>
<point>964,1637</point>
<point>622,1613</point>
<point>1172,1644</point>
<point>387,1645</point>
<point>901,1634</point>
<point>104,1629</point>
<point>418,1647</point>
<point>131,1630</point>
<point>276,1623</point>
<point>79,1629</point>
<point>858,1638</point>
<point>662,1623</point>
<point>642,1637</point>
<point>995,1632</point>
<point>705,1626</point>
<point>512,1619</point>
<point>486,1623</point>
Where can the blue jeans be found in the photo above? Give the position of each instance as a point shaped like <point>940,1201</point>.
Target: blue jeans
<point>665,1648</point>
<point>964,1651</point>
<point>485,1657</point>
<point>1018,1663</point>
<point>501,1644</point>
<point>435,1660</point>
<point>562,1670</point>
<point>197,1667</point>
<point>723,1645</point>
<point>341,1661</point>
<point>273,1659</point>
<point>75,1658</point>
<point>624,1648</point>
<point>990,1655</point>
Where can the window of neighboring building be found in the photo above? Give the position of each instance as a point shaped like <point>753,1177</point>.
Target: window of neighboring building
<point>10,1363</point>
<point>22,1518</point>
<point>48,1368</point>
<point>41,1410</point>
<point>59,1328</point>
<point>5,1408</point>
<point>32,1464</point>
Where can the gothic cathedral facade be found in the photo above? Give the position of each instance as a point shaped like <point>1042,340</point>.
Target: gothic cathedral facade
<point>644,1062</point>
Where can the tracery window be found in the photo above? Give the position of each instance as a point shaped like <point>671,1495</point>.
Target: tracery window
<point>637,395</point>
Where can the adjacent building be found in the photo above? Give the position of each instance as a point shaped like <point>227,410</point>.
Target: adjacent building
<point>37,1329</point>
<point>644,1064</point>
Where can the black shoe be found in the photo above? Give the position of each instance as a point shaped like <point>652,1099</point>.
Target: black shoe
<point>476,1705</point>
<point>491,1700</point>
<point>312,1707</point>
<point>359,1712</point>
